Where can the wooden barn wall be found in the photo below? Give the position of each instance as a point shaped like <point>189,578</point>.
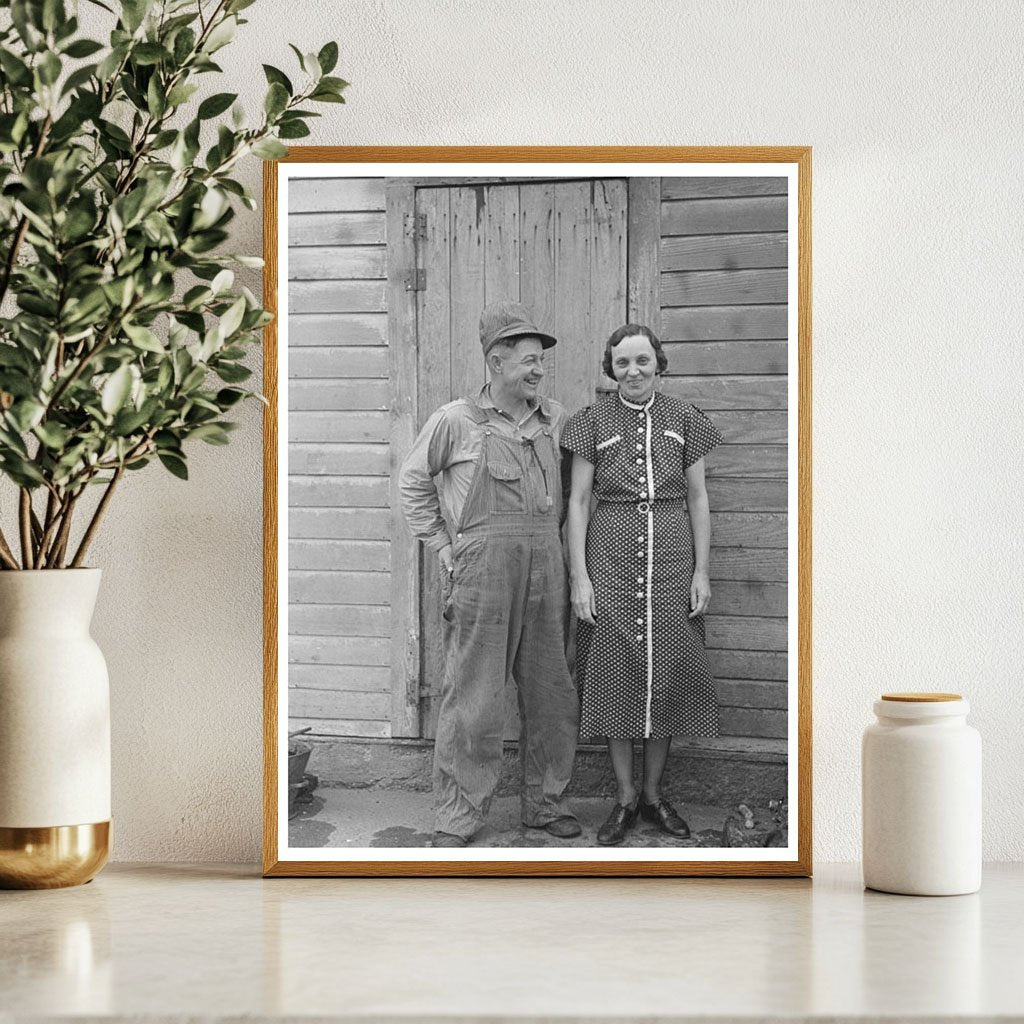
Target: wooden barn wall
<point>721,310</point>
<point>723,318</point>
<point>338,397</point>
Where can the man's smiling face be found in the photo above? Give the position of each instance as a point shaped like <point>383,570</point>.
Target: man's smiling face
<point>522,368</point>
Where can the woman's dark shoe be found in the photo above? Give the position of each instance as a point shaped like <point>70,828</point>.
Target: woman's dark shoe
<point>664,815</point>
<point>619,822</point>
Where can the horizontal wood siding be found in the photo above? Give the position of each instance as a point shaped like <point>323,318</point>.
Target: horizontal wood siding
<point>723,313</point>
<point>339,612</point>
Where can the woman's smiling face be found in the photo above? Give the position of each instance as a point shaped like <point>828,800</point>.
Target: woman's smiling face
<point>635,365</point>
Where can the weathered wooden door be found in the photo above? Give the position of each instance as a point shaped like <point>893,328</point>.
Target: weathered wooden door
<point>558,247</point>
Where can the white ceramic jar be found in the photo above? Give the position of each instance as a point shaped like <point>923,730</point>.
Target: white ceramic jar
<point>921,779</point>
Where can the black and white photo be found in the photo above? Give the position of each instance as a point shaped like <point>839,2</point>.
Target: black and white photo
<point>537,468</point>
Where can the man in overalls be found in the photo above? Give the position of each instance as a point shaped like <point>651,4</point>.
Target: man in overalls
<point>482,488</point>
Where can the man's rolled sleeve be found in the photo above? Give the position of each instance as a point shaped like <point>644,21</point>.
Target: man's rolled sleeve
<point>421,504</point>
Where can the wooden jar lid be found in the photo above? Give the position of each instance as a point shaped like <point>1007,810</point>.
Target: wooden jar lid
<point>921,698</point>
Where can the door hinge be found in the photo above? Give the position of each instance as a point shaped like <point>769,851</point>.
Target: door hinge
<point>416,280</point>
<point>416,226</point>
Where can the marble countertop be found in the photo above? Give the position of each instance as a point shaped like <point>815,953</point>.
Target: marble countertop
<point>179,941</point>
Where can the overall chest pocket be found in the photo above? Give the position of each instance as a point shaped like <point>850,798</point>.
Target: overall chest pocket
<point>508,488</point>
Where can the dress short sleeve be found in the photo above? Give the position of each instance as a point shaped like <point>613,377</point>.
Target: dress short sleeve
<point>578,435</point>
<point>701,436</point>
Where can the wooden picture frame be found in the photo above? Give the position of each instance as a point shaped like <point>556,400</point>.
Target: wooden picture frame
<point>712,247</point>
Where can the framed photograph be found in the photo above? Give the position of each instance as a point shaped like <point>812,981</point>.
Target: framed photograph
<point>538,511</point>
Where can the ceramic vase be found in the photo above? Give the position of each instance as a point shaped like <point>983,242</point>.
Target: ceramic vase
<point>54,731</point>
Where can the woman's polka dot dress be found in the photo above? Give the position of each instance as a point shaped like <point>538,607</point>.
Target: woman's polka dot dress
<point>642,670</point>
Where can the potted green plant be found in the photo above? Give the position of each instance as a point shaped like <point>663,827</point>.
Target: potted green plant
<point>122,342</point>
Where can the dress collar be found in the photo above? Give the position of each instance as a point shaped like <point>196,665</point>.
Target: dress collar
<point>634,405</point>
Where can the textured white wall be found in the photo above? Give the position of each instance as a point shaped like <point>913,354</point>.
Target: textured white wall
<point>914,112</point>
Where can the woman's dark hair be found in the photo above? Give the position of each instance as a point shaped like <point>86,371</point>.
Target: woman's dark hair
<point>629,331</point>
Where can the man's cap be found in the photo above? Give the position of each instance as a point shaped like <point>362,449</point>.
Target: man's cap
<point>501,321</point>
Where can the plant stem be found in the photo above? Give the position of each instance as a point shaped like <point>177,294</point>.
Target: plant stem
<point>51,509</point>
<point>97,516</point>
<point>84,361</point>
<point>61,543</point>
<point>12,255</point>
<point>37,529</point>
<point>19,235</point>
<point>54,509</point>
<point>25,522</point>
<point>6,555</point>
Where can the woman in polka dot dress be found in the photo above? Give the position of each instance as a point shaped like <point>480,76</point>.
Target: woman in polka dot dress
<point>639,574</point>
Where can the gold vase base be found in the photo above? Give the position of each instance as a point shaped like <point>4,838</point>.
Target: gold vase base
<point>53,857</point>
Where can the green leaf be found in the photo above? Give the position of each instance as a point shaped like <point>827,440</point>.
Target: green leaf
<point>116,390</point>
<point>323,96</point>
<point>144,338</point>
<point>49,68</point>
<point>128,421</point>
<point>26,20</point>
<point>228,397</point>
<point>133,13</point>
<point>311,66</point>
<point>77,79</point>
<point>195,297</point>
<point>181,94</point>
<point>175,465</point>
<point>269,149</point>
<point>232,319</point>
<point>193,379</point>
<point>21,471</point>
<point>211,433</point>
<point>149,53</point>
<point>14,68</point>
<point>53,435</point>
<point>328,58</point>
<point>279,77</point>
<point>83,48</point>
<point>232,373</point>
<point>221,35</point>
<point>214,105</point>
<point>156,101</point>
<point>163,139</point>
<point>222,281</point>
<point>292,130</point>
<point>334,84</point>
<point>109,65</point>
<point>26,414</point>
<point>184,44</point>
<point>276,100</point>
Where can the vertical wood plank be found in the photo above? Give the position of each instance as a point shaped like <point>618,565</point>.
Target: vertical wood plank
<point>468,247</point>
<point>435,390</point>
<point>644,248</point>
<point>537,267</point>
<point>577,374</point>
<point>608,269</point>
<point>405,659</point>
<point>501,269</point>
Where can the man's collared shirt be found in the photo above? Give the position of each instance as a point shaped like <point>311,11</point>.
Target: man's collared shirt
<point>435,477</point>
